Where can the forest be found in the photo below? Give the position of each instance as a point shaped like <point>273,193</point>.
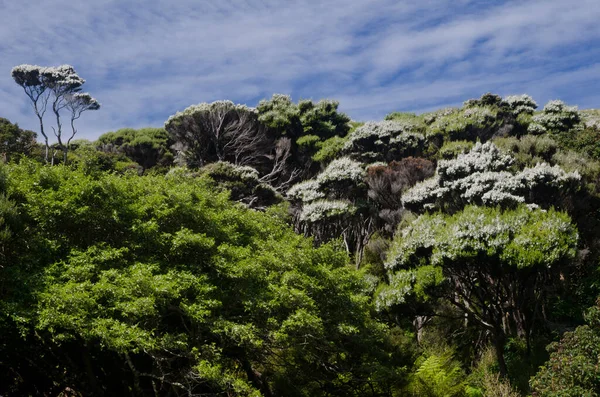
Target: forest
<point>288,250</point>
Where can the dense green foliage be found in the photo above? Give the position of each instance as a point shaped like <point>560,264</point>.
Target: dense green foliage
<point>148,147</point>
<point>573,368</point>
<point>496,267</point>
<point>286,250</point>
<point>316,130</point>
<point>14,141</point>
<point>154,282</point>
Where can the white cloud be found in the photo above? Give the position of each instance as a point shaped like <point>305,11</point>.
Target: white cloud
<point>146,59</point>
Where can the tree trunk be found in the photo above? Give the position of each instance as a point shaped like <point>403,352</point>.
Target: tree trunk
<point>45,138</point>
<point>89,370</point>
<point>499,343</point>
<point>256,378</point>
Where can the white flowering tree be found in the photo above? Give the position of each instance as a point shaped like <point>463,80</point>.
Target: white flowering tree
<point>556,117</point>
<point>333,204</point>
<point>496,267</point>
<point>520,104</point>
<point>59,86</point>
<point>484,177</point>
<point>385,141</point>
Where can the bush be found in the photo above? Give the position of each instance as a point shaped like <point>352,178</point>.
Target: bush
<point>452,149</point>
<point>385,141</point>
<point>529,150</point>
<point>574,365</point>
<point>161,285</point>
<point>14,141</point>
<point>438,376</point>
<point>483,177</point>
<point>556,117</point>
<point>149,147</point>
<point>243,184</point>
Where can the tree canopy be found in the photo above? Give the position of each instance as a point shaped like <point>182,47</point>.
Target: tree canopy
<point>286,250</point>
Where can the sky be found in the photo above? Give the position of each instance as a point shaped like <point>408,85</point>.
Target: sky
<point>144,60</point>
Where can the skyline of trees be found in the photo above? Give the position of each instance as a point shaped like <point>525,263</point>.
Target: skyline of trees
<point>287,250</point>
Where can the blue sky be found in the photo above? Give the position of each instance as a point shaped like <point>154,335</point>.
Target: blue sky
<point>145,60</point>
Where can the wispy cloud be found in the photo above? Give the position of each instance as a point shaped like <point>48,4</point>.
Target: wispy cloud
<point>144,60</point>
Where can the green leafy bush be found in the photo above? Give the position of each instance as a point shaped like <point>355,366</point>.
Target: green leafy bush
<point>574,365</point>
<point>159,283</point>
<point>149,147</point>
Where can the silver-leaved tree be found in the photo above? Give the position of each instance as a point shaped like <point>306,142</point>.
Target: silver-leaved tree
<point>497,267</point>
<point>59,87</point>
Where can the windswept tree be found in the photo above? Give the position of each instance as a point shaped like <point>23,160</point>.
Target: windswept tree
<point>30,78</point>
<point>78,103</point>
<point>65,85</point>
<point>483,176</point>
<point>496,267</point>
<point>385,141</point>
<point>223,131</point>
<point>60,86</point>
<point>334,204</point>
<point>219,131</point>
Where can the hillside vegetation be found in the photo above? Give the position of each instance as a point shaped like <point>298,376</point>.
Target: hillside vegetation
<point>287,250</point>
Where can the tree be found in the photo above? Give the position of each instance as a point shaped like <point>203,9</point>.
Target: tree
<point>478,120</point>
<point>520,104</point>
<point>556,117</point>
<point>14,141</point>
<point>386,141</point>
<point>65,86</point>
<point>77,103</point>
<point>387,184</point>
<point>333,204</point>
<point>30,78</point>
<point>320,119</point>
<point>484,177</point>
<point>243,184</point>
<point>158,285</point>
<point>149,147</point>
<point>61,85</point>
<point>220,131</point>
<point>351,200</point>
<point>310,127</point>
<point>496,267</point>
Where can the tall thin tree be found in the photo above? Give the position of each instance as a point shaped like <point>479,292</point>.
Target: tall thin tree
<point>60,86</point>
<point>30,78</point>
<point>78,103</point>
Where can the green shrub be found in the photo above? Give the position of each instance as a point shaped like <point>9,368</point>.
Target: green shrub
<point>453,148</point>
